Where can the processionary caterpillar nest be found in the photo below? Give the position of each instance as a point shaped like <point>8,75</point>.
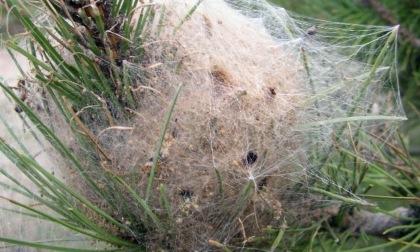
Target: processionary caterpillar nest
<point>259,95</point>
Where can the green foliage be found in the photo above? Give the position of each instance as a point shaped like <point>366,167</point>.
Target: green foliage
<point>92,79</point>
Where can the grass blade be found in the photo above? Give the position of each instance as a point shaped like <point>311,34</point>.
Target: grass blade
<point>159,146</point>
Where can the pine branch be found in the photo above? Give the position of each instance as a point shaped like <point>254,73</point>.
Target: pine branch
<point>377,223</point>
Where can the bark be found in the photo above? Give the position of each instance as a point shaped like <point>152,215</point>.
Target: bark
<point>377,223</point>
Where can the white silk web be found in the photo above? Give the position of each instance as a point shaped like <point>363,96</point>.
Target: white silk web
<point>270,101</point>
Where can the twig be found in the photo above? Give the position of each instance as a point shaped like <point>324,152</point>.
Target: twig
<point>387,15</point>
<point>377,223</point>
